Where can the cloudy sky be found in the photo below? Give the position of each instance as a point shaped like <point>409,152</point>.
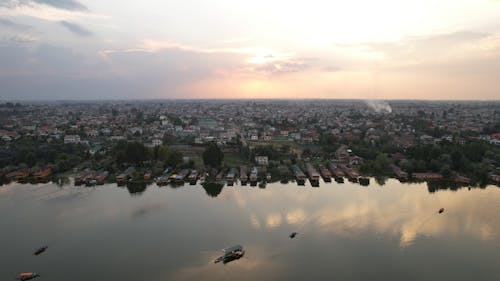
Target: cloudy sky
<point>386,49</point>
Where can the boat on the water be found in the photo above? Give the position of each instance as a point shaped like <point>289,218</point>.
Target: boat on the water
<point>337,172</point>
<point>299,175</point>
<point>231,175</point>
<point>193,177</point>
<point>27,276</point>
<point>40,250</point>
<point>42,174</point>
<point>220,175</point>
<point>243,175</point>
<point>254,176</point>
<point>325,173</point>
<point>313,175</point>
<point>181,176</point>
<point>352,174</point>
<point>231,254</point>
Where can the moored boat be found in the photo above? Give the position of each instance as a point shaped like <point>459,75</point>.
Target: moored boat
<point>193,177</point>
<point>300,177</point>
<point>325,173</point>
<point>101,177</point>
<point>243,175</point>
<point>19,175</point>
<point>220,175</point>
<point>125,176</point>
<point>254,176</point>
<point>231,175</point>
<point>313,175</point>
<point>181,176</point>
<point>337,172</point>
<point>352,174</point>
<point>42,174</point>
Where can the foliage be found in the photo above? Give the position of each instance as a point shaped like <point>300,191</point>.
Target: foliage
<point>131,152</point>
<point>32,152</point>
<point>271,151</point>
<point>379,166</point>
<point>213,155</point>
<point>472,159</point>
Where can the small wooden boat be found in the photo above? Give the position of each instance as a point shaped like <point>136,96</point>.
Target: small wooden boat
<point>28,276</point>
<point>40,250</point>
<point>231,254</point>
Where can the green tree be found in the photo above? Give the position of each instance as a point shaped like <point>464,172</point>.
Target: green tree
<point>382,164</point>
<point>213,156</point>
<point>174,158</point>
<point>131,152</point>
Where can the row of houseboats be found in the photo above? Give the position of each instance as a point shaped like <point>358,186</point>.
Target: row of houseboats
<point>89,177</point>
<point>244,174</point>
<point>28,175</point>
<point>253,175</point>
<point>336,171</point>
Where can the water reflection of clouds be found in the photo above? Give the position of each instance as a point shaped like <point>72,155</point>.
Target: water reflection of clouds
<point>273,220</point>
<point>147,209</point>
<point>255,221</point>
<point>406,212</point>
<point>420,217</point>
<point>295,217</point>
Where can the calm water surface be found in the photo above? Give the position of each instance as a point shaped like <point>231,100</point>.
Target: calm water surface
<point>346,232</point>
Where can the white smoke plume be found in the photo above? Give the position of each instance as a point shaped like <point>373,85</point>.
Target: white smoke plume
<point>379,106</point>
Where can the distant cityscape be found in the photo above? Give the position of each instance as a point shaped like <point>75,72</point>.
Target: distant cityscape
<point>410,140</point>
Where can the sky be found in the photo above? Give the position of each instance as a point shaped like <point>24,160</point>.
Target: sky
<point>387,49</point>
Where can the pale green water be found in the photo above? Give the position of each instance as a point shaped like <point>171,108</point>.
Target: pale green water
<point>346,232</point>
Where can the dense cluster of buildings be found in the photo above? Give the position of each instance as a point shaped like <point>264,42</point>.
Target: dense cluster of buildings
<point>251,121</point>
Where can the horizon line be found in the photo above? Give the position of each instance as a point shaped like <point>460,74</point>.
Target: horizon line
<point>242,99</point>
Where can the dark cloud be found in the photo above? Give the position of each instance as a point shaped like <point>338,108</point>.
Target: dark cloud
<point>76,29</point>
<point>14,25</point>
<point>70,5</point>
<point>51,72</point>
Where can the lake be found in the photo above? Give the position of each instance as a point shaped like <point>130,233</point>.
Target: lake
<point>345,232</point>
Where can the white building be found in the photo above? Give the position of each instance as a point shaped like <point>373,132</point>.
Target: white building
<point>71,139</point>
<point>262,160</point>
